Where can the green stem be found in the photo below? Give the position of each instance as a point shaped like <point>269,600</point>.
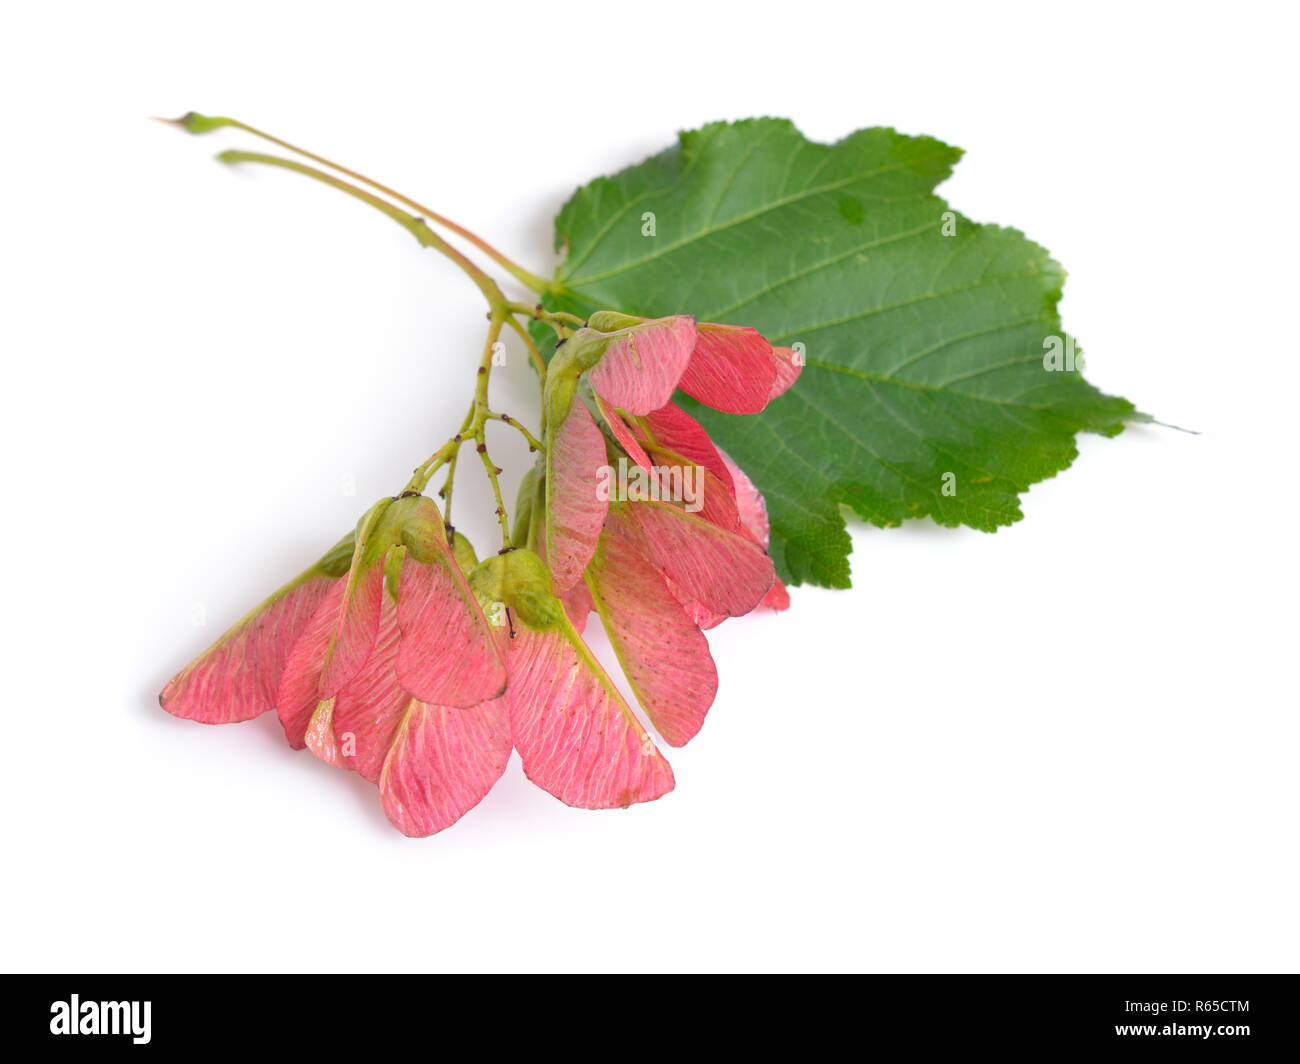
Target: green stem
<point>195,123</point>
<point>472,429</point>
<point>554,318</point>
<point>538,363</point>
<point>534,444</point>
<point>448,485</point>
<point>501,311</point>
<point>416,226</point>
<point>482,413</point>
<point>444,455</point>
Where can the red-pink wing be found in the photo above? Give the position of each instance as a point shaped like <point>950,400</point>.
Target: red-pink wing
<point>622,433</point>
<point>789,364</point>
<point>577,600</point>
<point>577,737</point>
<point>749,501</point>
<point>236,679</point>
<point>673,438</point>
<point>753,515</point>
<point>299,691</point>
<point>446,656</point>
<point>357,627</point>
<point>778,598</point>
<point>725,572</point>
<point>665,657</point>
<point>578,605</point>
<point>442,763</point>
<point>731,369</point>
<point>670,428</point>
<point>367,710</point>
<point>574,510</point>
<point>432,763</point>
<point>642,365</point>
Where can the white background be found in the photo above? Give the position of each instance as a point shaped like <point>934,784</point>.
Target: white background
<point>1069,746</point>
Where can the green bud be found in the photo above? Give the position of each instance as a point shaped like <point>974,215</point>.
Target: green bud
<point>525,503</point>
<point>193,122</point>
<point>464,552</point>
<point>580,352</point>
<point>338,560</point>
<point>424,539</point>
<point>417,522</point>
<point>375,532</point>
<point>587,346</point>
<point>393,569</point>
<point>608,321</point>
<point>537,609</point>
<point>487,579</point>
<point>560,389</point>
<point>521,580</point>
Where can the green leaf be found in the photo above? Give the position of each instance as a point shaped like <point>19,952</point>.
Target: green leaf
<point>925,390</point>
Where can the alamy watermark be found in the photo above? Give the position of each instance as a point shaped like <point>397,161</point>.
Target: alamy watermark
<point>635,483</point>
<point>102,1017</point>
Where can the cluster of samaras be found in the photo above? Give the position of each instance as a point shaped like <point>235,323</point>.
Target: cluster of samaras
<point>402,657</point>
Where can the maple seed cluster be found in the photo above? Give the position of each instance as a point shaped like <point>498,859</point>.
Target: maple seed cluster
<point>400,656</point>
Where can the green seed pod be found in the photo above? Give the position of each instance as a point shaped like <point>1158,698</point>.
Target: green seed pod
<point>464,552</point>
<point>338,560</point>
<point>521,581</point>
